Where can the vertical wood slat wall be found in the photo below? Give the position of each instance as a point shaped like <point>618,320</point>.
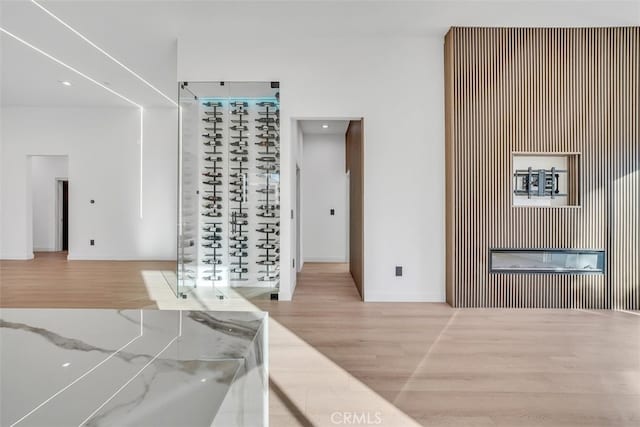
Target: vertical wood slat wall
<point>573,174</point>
<point>542,90</point>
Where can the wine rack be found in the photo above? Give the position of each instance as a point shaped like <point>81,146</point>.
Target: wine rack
<point>268,161</point>
<point>237,237</point>
<point>212,193</point>
<point>239,266</point>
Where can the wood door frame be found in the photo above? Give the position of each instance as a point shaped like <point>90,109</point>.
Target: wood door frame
<point>356,201</point>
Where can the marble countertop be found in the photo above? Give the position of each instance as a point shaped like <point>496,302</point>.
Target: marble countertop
<point>128,367</point>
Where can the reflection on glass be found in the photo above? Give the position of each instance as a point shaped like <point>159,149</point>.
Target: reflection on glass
<point>134,368</point>
<point>547,261</point>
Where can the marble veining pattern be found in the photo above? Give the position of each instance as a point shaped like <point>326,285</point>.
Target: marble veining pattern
<point>179,368</point>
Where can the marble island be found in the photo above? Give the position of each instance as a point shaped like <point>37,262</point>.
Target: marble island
<point>133,368</point>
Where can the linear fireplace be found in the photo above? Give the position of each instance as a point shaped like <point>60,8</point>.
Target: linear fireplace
<point>563,261</point>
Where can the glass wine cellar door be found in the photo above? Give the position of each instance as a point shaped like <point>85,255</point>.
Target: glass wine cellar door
<point>229,189</point>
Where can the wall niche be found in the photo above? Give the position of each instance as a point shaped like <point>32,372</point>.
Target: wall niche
<point>545,179</point>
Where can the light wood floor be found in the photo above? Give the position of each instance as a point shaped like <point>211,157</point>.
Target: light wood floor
<point>416,363</point>
<point>49,280</point>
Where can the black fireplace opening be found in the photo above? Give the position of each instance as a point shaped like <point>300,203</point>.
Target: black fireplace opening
<point>549,261</point>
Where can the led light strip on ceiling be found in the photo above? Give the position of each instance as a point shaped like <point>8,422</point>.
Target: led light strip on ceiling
<point>102,51</point>
<point>141,154</point>
<point>69,67</point>
<point>129,70</point>
<point>108,89</point>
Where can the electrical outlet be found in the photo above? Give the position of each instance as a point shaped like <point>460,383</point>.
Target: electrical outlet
<point>332,212</point>
<point>92,242</point>
<point>398,270</point>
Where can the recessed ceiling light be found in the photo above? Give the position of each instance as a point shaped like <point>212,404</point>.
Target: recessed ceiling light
<point>99,49</point>
<point>68,67</point>
<point>66,364</point>
<point>66,83</point>
<point>325,126</point>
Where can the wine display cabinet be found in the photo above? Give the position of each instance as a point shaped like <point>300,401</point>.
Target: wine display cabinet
<point>229,190</point>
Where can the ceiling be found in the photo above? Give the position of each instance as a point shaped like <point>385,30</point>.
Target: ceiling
<point>314,127</point>
<point>29,78</point>
<point>144,36</point>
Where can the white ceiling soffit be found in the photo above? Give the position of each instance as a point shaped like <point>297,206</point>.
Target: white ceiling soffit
<point>224,19</point>
<point>37,81</point>
<point>29,80</point>
<point>143,34</point>
<point>315,127</point>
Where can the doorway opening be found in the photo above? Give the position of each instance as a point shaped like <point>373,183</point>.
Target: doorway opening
<point>329,197</point>
<point>50,204</point>
<point>63,215</point>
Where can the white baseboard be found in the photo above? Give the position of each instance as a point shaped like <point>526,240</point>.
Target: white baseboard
<point>45,250</point>
<point>14,257</point>
<point>22,257</point>
<point>71,257</point>
<point>389,297</point>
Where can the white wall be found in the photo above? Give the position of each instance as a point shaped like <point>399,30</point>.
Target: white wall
<point>286,291</point>
<point>325,185</point>
<point>102,145</point>
<point>45,170</point>
<point>396,84</point>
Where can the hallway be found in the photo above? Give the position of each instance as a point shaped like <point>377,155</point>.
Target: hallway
<point>326,282</point>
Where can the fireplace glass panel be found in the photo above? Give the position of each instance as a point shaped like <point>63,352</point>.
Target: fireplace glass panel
<point>546,261</point>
